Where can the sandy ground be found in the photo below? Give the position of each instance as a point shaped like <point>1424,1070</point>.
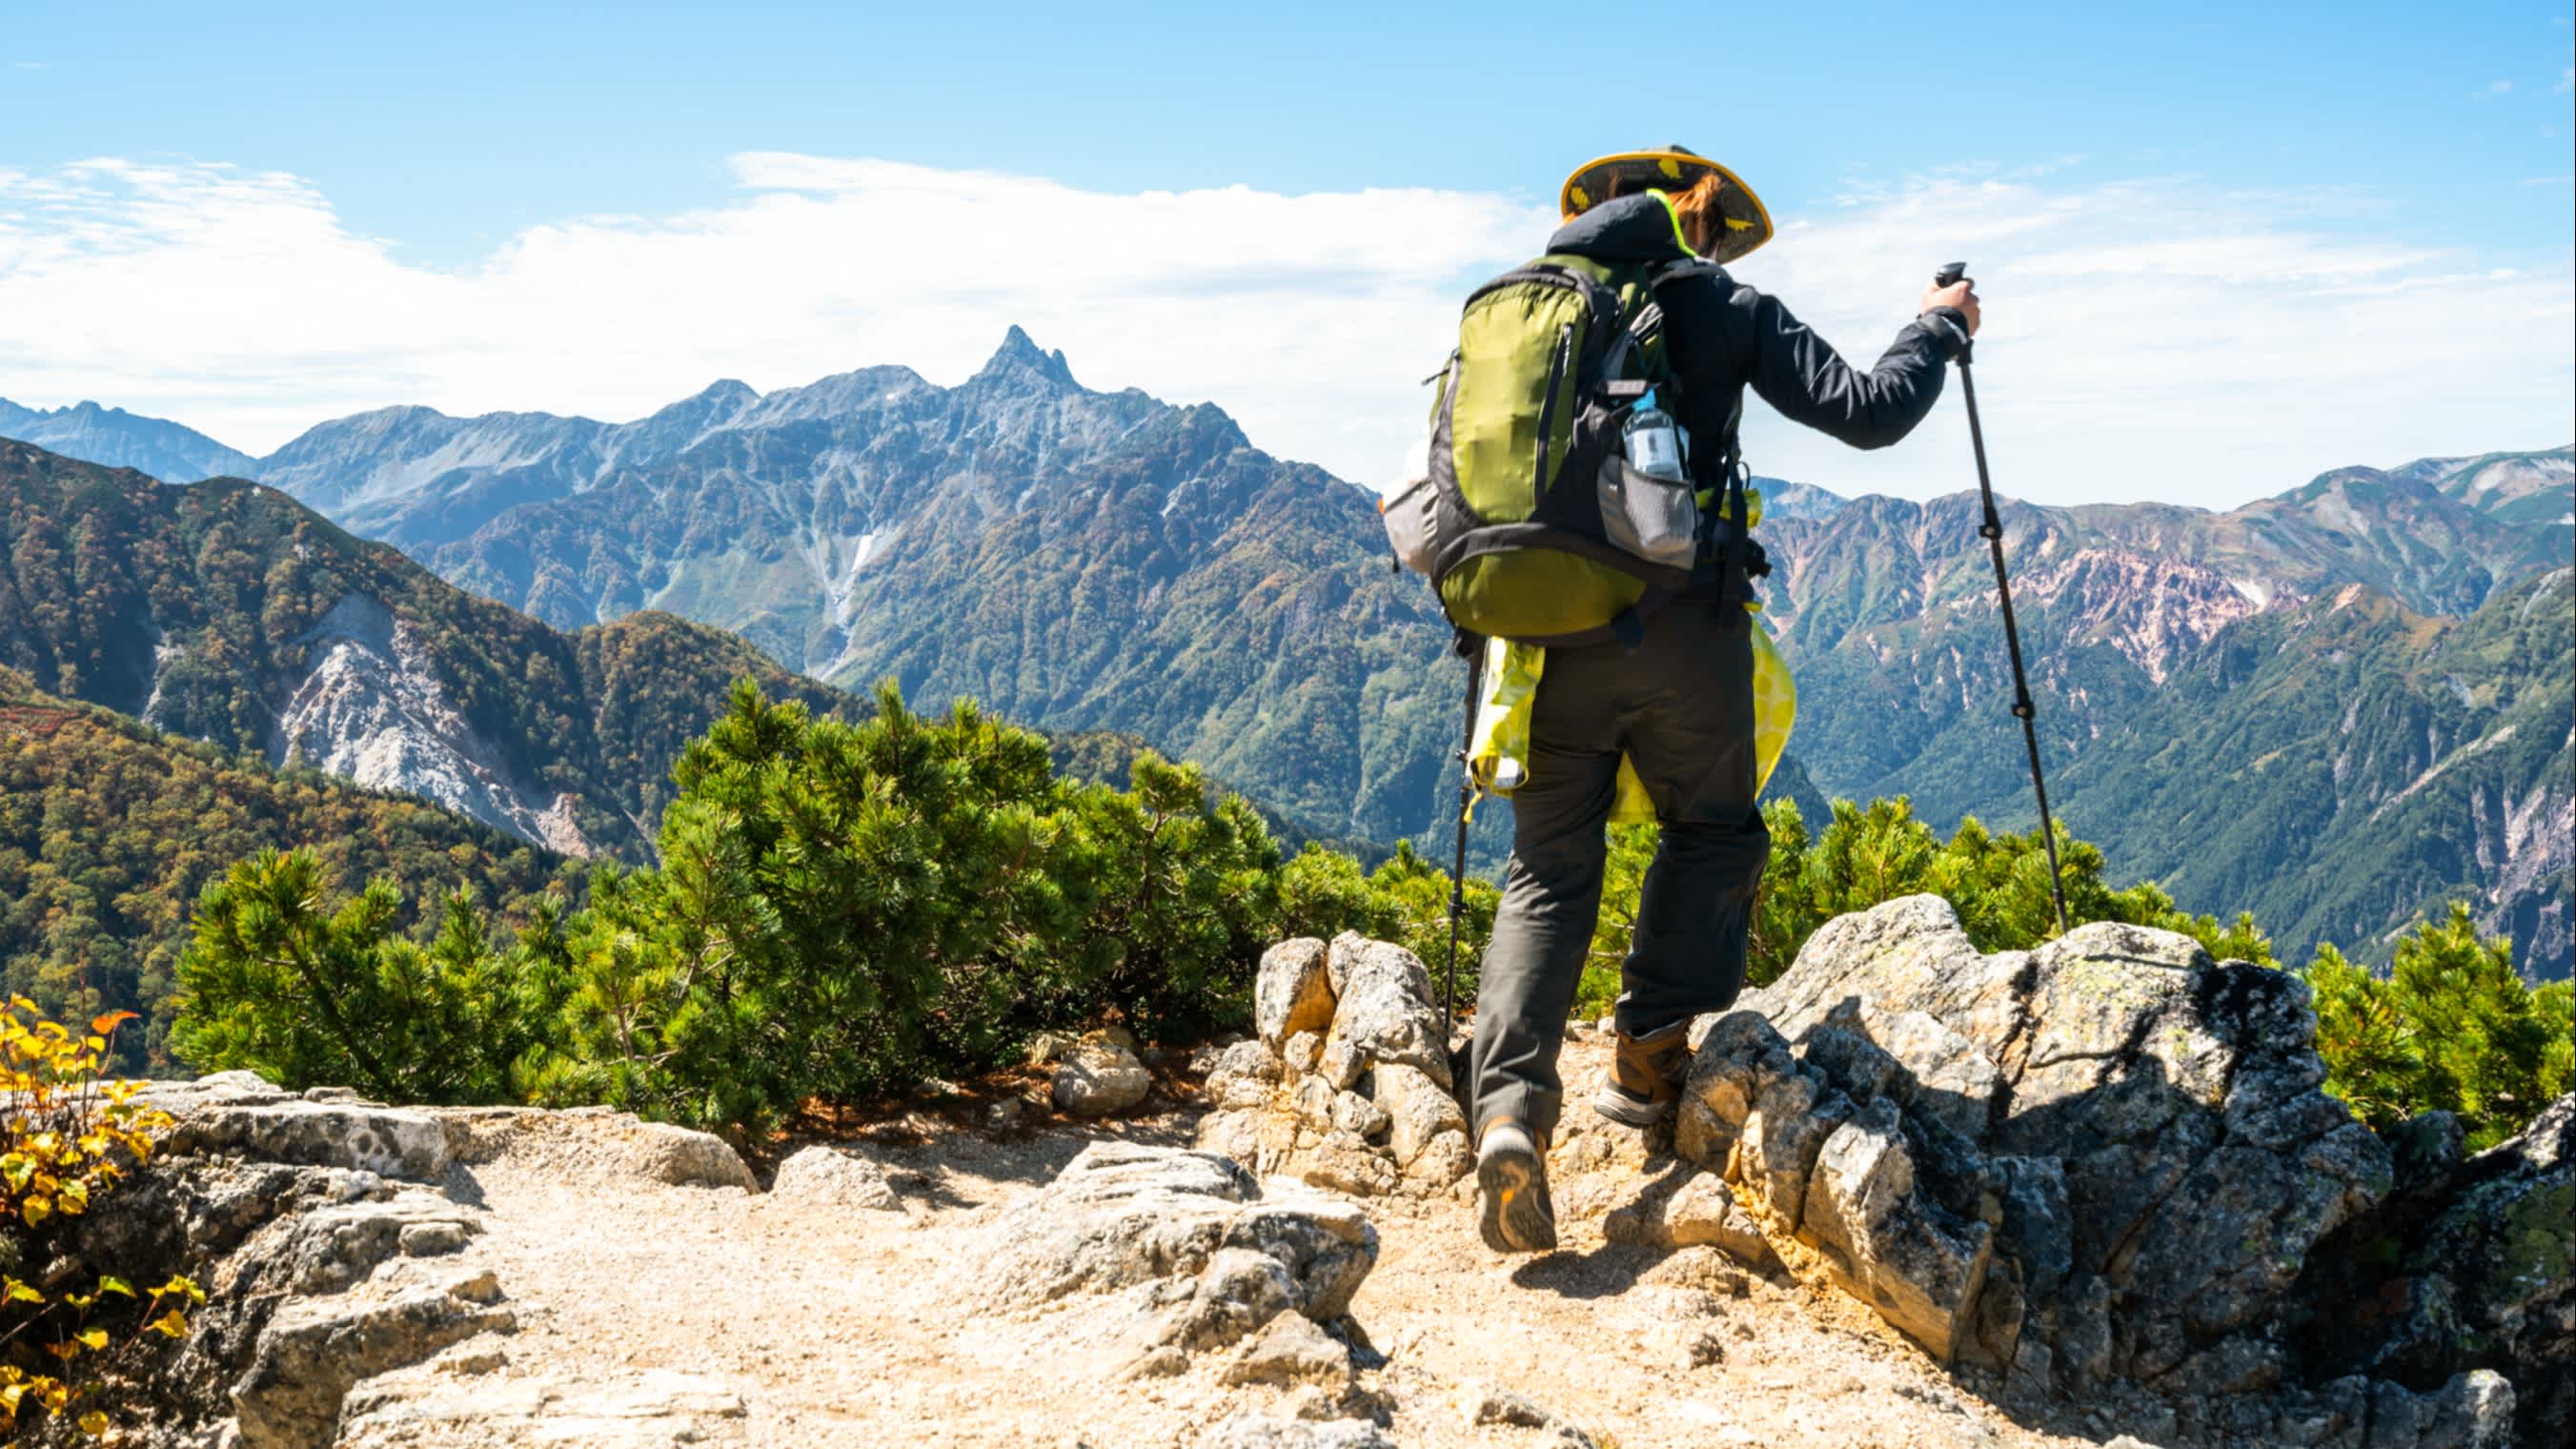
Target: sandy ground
<point>657,1315</point>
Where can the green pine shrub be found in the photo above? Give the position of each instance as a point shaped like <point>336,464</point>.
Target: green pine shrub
<point>1868,855</point>
<point>2452,1027</point>
<point>845,910</point>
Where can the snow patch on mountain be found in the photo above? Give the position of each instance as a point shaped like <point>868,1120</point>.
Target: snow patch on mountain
<point>370,710</point>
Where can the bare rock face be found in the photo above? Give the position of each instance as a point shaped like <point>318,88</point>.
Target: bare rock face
<point>314,1351</point>
<point>236,1113</point>
<point>1193,1253</point>
<point>2469,1263</point>
<point>1347,1086</point>
<point>2106,1159</point>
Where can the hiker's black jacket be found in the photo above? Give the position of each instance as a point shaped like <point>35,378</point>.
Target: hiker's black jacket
<point>1720,335</point>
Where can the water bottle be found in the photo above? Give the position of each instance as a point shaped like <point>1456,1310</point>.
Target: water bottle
<point>1653,440</point>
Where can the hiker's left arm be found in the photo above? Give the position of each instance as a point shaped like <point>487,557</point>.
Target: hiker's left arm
<point>1800,374</point>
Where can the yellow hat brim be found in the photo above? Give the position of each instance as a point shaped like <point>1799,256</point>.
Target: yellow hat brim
<point>1748,221</point>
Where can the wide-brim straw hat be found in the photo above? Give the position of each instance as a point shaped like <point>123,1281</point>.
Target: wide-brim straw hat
<point>1672,169</point>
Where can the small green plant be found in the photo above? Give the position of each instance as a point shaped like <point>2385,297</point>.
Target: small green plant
<point>67,1138</point>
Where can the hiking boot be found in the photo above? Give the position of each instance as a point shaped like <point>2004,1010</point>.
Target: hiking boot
<point>1645,1076</point>
<point>1511,1180</point>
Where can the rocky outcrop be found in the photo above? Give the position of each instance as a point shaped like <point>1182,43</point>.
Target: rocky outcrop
<point>2469,1263</point>
<point>337,1242</point>
<point>1153,1260</point>
<point>1347,1085</point>
<point>2104,1161</point>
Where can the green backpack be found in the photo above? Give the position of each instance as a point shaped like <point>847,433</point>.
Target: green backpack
<point>1524,510</point>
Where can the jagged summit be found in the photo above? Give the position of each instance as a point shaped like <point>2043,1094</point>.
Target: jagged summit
<point>1020,353</point>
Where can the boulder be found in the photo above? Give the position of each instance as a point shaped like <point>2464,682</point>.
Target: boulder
<point>684,1158</point>
<point>836,1176</point>
<point>1292,992</point>
<point>1291,1349</point>
<point>1203,1255</point>
<point>1099,1078</point>
<point>2116,1143</point>
<point>1919,1266</point>
<point>314,1350</point>
<point>1384,1011</point>
<point>1699,1209</point>
<point>1359,1101</point>
<point>1418,1110</point>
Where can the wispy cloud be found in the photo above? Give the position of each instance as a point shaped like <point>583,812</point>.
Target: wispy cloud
<point>32,65</point>
<point>2146,337</point>
<point>2492,89</point>
<point>2566,80</point>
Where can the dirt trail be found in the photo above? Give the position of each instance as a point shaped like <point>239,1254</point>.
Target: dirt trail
<point>652,1314</point>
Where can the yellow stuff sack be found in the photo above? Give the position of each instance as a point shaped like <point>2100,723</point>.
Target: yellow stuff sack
<point>1498,756</point>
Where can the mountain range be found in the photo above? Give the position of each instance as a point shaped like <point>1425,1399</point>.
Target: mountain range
<point>168,451</point>
<point>1084,560</point>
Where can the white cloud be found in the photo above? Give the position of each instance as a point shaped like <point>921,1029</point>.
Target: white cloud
<point>2155,339</point>
<point>2566,80</point>
<point>2146,338</point>
<point>2492,89</point>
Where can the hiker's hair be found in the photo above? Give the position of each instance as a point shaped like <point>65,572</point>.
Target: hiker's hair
<point>1703,220</point>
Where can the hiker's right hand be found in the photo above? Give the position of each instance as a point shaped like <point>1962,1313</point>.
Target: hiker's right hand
<point>1961,294</point>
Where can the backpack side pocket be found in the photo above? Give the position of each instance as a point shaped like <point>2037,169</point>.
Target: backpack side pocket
<point>1657,519</point>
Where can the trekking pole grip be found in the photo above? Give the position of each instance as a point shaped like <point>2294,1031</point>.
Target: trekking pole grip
<point>1949,275</point>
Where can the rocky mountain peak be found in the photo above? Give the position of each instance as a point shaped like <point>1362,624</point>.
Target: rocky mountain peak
<point>1020,354</point>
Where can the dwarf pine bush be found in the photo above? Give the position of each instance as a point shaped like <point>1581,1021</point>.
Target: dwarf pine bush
<point>844,910</point>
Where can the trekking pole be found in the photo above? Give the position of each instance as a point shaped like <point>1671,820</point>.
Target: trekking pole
<point>1992,530</point>
<point>1474,649</point>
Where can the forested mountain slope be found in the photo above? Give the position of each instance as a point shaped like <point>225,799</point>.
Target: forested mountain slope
<point>229,612</point>
<point>110,829</point>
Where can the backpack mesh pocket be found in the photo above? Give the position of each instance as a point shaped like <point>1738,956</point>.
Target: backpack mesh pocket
<point>1657,519</point>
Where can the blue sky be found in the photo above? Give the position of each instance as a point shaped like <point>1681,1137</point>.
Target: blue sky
<point>440,139</point>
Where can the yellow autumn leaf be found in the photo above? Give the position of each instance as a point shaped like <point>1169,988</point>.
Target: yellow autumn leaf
<point>110,1283</point>
<point>173,1323</point>
<point>35,1210</point>
<point>94,1424</point>
<point>74,1197</point>
<point>17,1292</point>
<point>110,1021</point>
<point>92,1337</point>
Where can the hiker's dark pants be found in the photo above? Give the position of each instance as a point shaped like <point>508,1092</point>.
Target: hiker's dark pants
<point>1681,707</point>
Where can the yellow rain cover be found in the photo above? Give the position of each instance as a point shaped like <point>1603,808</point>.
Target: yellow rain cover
<point>1498,756</point>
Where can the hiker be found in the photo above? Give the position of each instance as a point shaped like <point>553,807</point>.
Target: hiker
<point>1672,691</point>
